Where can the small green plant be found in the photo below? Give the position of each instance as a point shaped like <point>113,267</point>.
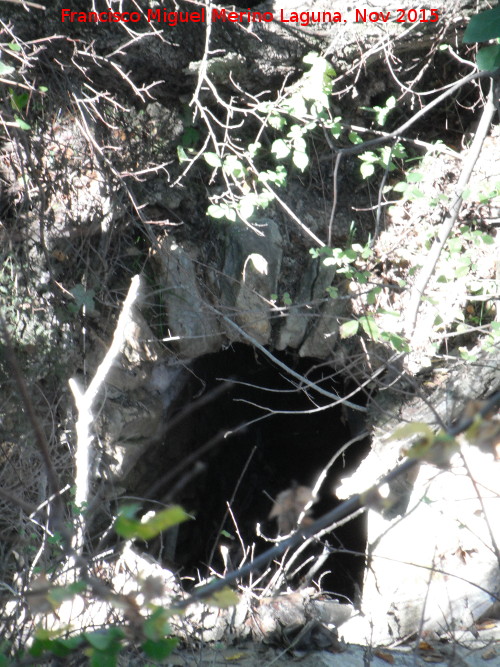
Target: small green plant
<point>286,299</point>
<point>409,188</point>
<point>381,113</point>
<point>380,325</point>
<point>381,157</point>
<point>346,259</point>
<point>248,172</point>
<point>84,299</point>
<point>104,645</point>
<point>18,100</point>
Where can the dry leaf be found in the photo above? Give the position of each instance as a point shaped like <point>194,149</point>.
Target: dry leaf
<point>429,653</point>
<point>424,646</point>
<point>288,506</point>
<point>37,596</point>
<point>434,658</point>
<point>235,656</point>
<point>223,599</point>
<point>487,624</point>
<point>387,657</point>
<point>489,654</point>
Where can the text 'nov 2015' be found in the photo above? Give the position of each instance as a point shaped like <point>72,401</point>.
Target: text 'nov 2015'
<point>216,15</point>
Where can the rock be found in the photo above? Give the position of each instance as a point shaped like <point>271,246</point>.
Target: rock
<point>192,324</point>
<point>250,276</point>
<point>321,341</point>
<point>298,317</point>
<point>431,560</point>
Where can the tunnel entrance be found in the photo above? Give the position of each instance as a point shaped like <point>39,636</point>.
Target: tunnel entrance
<point>250,432</point>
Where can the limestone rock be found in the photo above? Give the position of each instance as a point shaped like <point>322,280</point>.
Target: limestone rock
<point>250,276</point>
<point>190,320</point>
<point>298,317</point>
<point>435,568</point>
<point>321,341</point>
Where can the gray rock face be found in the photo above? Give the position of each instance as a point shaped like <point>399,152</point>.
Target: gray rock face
<point>435,569</point>
<point>250,276</point>
<point>242,290</point>
<point>192,324</point>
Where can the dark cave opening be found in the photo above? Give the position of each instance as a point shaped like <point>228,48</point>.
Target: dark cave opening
<point>270,435</point>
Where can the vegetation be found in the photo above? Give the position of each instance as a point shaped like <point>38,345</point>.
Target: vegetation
<point>92,184</point>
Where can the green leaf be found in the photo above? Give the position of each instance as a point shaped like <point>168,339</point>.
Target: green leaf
<point>278,176</point>
<point>104,658</point>
<point>216,211</point>
<point>99,640</point>
<point>190,137</point>
<point>401,187</point>
<point>398,150</point>
<point>370,327</point>
<point>277,121</point>
<point>246,206</point>
<point>455,245</point>
<point>332,292</point>
<point>264,199</point>
<point>253,148</point>
<point>295,104</point>
<point>368,156</point>
<point>399,343</point>
<point>161,649</point>
<point>367,170</point>
<point>483,26</point>
<point>349,328</point>
<point>233,166</point>
<point>221,211</point>
<point>280,149</point>
<point>336,128</point>
<point>45,640</point>
<point>466,355</point>
<point>18,101</point>
<point>156,626</point>
<point>181,155</point>
<point>21,123</point>
<point>212,159</point>
<point>5,69</point>
<point>488,58</point>
<point>414,177</point>
<point>14,47</point>
<point>83,298</point>
<point>414,193</point>
<point>104,640</point>
<point>300,160</point>
<point>486,238</point>
<point>383,112</point>
<point>372,295</point>
<point>135,529</point>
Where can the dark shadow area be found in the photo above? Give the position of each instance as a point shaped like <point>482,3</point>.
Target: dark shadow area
<point>255,459</point>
